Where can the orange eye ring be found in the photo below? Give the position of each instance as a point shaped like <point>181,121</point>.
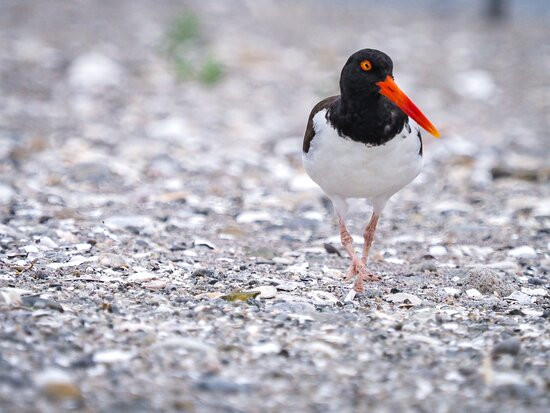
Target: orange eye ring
<point>366,65</point>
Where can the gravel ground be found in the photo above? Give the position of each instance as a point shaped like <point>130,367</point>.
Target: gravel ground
<point>133,204</point>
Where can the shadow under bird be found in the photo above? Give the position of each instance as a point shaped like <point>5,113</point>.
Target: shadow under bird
<point>364,143</point>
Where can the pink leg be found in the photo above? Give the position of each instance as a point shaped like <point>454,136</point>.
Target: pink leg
<point>357,267</point>
<point>369,236</point>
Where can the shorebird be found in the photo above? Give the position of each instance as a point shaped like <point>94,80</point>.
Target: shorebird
<point>364,143</point>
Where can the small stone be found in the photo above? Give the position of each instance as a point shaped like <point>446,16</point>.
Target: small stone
<point>504,266</point>
<point>300,268</point>
<point>473,293</point>
<point>266,291</point>
<point>486,281</point>
<point>429,266</point>
<point>266,348</point>
<point>92,71</point>
<point>249,217</point>
<point>83,246</point>
<point>6,193</point>
<point>48,243</point>
<point>75,261</point>
<point>331,249</point>
<point>141,276</point>
<point>540,292</point>
<point>350,296</point>
<point>525,251</point>
<point>240,296</point>
<point>112,356</point>
<point>40,303</point>
<point>288,285</point>
<point>199,242</point>
<point>404,298</point>
<point>112,260</point>
<point>215,384</point>
<point>452,291</point>
<point>474,84</point>
<point>438,250</point>
<point>510,346</point>
<point>11,296</point>
<point>535,281</point>
<point>173,127</point>
<point>31,248</point>
<point>322,298</point>
<point>155,285</point>
<point>204,272</point>
<point>58,385</point>
<point>520,297</point>
<point>128,222</point>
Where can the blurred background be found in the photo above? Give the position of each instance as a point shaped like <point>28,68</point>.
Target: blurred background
<point>138,92</point>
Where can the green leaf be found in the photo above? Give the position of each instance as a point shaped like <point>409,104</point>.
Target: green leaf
<point>240,296</point>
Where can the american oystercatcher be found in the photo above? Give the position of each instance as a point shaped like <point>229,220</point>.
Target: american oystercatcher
<point>364,143</point>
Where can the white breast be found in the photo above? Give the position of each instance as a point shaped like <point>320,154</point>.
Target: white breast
<point>349,169</point>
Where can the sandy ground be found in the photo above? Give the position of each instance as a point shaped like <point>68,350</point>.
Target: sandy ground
<point>133,201</point>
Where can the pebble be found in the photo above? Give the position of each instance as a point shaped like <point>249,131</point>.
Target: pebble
<point>540,292</point>
<point>249,217</point>
<point>112,260</point>
<point>473,293</point>
<point>39,302</point>
<point>322,297</point>
<point>452,291</point>
<point>200,242</point>
<point>504,266</point>
<point>112,356</point>
<point>437,250</point>
<point>48,243</point>
<point>485,280</point>
<point>141,276</point>
<point>31,248</point>
<point>58,385</point>
<point>11,296</point>
<point>474,84</point>
<point>216,384</point>
<point>288,285</point>
<point>266,348</point>
<point>93,70</point>
<point>524,251</point>
<point>155,284</point>
<point>520,297</point>
<point>266,291</point>
<point>292,304</point>
<point>118,222</point>
<point>404,298</point>
<point>428,266</point>
<point>510,346</point>
<point>6,193</point>
<point>75,261</point>
<point>301,268</point>
<point>350,296</point>
<point>173,127</point>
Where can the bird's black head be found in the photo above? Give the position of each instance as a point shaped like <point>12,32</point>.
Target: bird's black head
<point>362,71</point>
<point>366,78</point>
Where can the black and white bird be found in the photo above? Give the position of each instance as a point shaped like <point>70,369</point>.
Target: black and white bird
<point>364,143</point>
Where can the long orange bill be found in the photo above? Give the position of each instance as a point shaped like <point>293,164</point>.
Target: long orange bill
<point>389,89</point>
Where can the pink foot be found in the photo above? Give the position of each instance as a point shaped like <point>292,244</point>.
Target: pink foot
<point>359,270</point>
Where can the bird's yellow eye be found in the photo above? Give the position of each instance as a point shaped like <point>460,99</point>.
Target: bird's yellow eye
<point>366,65</point>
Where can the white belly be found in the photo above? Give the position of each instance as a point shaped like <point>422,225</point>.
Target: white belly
<point>352,169</point>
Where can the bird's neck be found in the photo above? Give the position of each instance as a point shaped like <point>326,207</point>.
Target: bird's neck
<point>370,119</point>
